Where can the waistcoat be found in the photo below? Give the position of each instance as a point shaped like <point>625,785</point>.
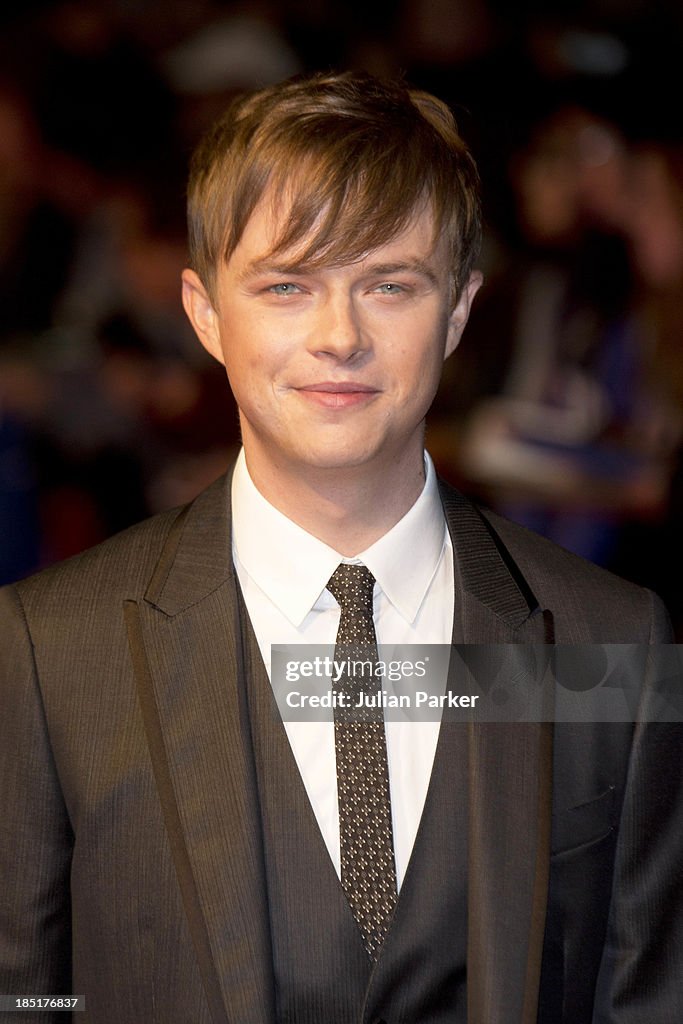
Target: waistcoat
<point>322,971</point>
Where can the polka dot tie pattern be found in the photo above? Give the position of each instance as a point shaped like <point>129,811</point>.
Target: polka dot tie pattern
<point>368,871</point>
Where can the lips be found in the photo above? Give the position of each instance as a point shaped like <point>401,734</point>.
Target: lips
<point>337,394</point>
<point>342,387</point>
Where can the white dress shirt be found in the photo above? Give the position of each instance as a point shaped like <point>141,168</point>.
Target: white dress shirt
<point>283,572</point>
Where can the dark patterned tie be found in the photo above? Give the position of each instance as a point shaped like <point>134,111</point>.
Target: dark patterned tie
<point>368,871</point>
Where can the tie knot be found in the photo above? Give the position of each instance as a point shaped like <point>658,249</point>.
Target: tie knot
<point>352,586</point>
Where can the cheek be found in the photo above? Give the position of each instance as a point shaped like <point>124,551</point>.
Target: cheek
<point>421,360</point>
<point>244,355</point>
<point>419,384</point>
<point>253,373</point>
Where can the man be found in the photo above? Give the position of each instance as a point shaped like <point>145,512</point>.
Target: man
<point>174,851</point>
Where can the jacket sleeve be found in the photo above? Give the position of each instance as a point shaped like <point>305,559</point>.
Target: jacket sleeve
<point>641,976</point>
<point>35,835</point>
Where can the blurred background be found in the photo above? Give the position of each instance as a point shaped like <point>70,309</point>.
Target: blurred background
<point>563,407</point>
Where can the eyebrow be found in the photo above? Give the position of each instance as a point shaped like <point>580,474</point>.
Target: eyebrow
<point>410,266</point>
<point>267,266</point>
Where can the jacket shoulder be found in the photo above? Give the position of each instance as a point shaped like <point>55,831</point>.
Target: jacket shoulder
<point>589,603</point>
<point>118,567</point>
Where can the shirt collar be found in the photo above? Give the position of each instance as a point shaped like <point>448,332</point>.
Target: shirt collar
<point>292,567</point>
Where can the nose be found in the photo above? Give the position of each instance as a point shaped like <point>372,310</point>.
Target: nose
<point>338,331</point>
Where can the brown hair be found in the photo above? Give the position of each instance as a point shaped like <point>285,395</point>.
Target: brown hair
<point>354,157</point>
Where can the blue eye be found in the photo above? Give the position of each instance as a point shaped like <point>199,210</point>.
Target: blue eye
<point>390,288</point>
<point>285,288</point>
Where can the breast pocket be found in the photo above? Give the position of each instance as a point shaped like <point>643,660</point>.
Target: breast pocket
<point>585,823</point>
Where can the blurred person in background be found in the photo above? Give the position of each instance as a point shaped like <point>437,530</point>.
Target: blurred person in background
<point>569,435</point>
<point>651,217</point>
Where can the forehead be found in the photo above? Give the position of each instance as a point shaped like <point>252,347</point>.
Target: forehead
<point>264,239</point>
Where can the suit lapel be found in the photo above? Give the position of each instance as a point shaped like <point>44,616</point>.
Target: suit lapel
<point>510,779</point>
<point>187,655</point>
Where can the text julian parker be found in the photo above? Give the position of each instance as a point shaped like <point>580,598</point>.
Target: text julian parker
<point>380,699</point>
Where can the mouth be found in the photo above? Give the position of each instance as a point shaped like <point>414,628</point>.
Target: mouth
<point>338,394</point>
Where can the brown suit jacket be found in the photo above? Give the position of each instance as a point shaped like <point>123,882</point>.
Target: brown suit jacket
<point>131,855</point>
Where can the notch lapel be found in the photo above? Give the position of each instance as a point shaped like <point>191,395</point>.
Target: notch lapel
<point>186,648</point>
<point>510,787</point>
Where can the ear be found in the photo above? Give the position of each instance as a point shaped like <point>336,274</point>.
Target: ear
<point>461,311</point>
<point>202,314</point>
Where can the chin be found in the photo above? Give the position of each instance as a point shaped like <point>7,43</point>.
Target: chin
<point>336,459</point>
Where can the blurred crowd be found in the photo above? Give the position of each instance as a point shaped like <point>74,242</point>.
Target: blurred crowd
<point>564,406</point>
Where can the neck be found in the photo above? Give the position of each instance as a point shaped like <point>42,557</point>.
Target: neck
<point>348,509</point>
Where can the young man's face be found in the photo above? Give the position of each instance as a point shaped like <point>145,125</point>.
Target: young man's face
<point>332,368</point>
